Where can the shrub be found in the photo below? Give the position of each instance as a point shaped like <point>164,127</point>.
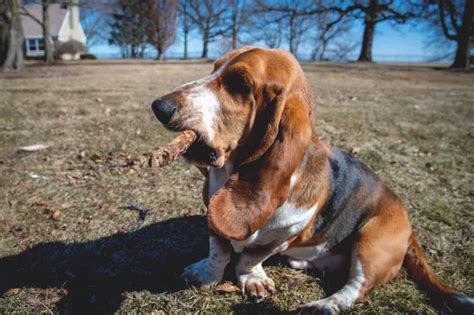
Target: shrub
<point>88,56</point>
<point>70,47</point>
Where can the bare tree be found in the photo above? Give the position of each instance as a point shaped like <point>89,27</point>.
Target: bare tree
<point>11,45</point>
<point>454,19</point>
<point>264,29</point>
<point>331,33</point>
<point>186,24</point>
<point>48,47</point>
<point>127,28</point>
<point>95,18</point>
<point>161,24</point>
<point>372,13</point>
<point>341,49</point>
<point>297,28</point>
<point>239,18</point>
<point>273,35</point>
<point>44,23</point>
<point>208,16</point>
<point>291,15</point>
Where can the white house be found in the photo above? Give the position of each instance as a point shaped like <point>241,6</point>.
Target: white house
<point>64,26</point>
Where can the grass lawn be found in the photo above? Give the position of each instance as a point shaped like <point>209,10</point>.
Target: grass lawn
<point>68,242</point>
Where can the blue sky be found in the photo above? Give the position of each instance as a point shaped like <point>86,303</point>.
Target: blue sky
<point>391,43</point>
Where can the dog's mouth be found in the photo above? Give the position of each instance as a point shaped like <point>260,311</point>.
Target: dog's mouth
<point>202,154</point>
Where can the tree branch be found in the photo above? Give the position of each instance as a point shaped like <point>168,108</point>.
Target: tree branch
<point>452,14</point>
<point>25,12</point>
<point>443,22</point>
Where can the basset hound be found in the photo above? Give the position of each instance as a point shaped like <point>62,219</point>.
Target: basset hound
<point>272,186</point>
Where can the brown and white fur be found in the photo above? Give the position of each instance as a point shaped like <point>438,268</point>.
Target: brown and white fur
<point>272,186</point>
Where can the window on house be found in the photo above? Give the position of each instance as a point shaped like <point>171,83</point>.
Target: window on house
<point>35,46</point>
<point>40,44</point>
<point>32,44</point>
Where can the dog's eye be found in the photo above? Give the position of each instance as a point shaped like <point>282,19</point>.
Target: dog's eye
<point>237,83</point>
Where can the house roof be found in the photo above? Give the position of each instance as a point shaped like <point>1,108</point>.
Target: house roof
<point>56,16</point>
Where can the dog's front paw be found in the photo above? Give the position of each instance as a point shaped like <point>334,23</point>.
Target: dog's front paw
<point>256,285</point>
<point>322,307</point>
<point>201,273</point>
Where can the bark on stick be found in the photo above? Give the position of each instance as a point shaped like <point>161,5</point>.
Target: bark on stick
<point>164,156</point>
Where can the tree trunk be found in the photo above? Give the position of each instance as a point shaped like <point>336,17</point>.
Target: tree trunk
<point>367,41</point>
<point>292,35</point>
<point>186,28</point>
<point>14,57</point>
<point>463,50</point>
<point>5,22</point>
<point>324,45</point>
<point>159,53</point>
<point>185,45</point>
<point>234,28</point>
<point>234,37</point>
<point>205,44</point>
<point>369,30</point>
<point>48,49</point>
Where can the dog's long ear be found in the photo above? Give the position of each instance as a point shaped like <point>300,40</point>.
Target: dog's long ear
<point>261,183</point>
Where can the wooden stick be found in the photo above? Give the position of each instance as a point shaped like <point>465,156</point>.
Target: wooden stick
<point>164,156</point>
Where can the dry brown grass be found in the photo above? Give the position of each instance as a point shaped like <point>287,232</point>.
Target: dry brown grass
<point>414,127</point>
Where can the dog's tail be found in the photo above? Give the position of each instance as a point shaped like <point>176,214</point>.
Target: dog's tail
<point>419,270</point>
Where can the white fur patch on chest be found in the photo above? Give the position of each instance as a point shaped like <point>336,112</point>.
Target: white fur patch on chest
<point>287,221</point>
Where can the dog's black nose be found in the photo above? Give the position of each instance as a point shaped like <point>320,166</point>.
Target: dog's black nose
<point>163,110</point>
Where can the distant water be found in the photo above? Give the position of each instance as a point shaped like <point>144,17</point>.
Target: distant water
<point>302,57</point>
<point>168,55</point>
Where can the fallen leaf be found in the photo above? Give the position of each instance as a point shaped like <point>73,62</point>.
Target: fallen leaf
<point>55,214</point>
<point>355,150</point>
<point>96,158</point>
<point>227,287</point>
<point>12,291</point>
<point>40,203</point>
<point>104,205</point>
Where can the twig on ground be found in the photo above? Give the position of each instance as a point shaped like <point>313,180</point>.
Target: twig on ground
<point>142,211</point>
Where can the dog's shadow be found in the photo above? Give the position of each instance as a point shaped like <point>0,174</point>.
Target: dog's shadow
<point>95,274</point>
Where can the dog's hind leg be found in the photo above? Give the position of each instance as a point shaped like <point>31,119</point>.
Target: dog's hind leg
<point>377,256</point>
<point>325,264</point>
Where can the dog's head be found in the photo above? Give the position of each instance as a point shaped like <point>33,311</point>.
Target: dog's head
<point>239,104</point>
<point>255,108</point>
